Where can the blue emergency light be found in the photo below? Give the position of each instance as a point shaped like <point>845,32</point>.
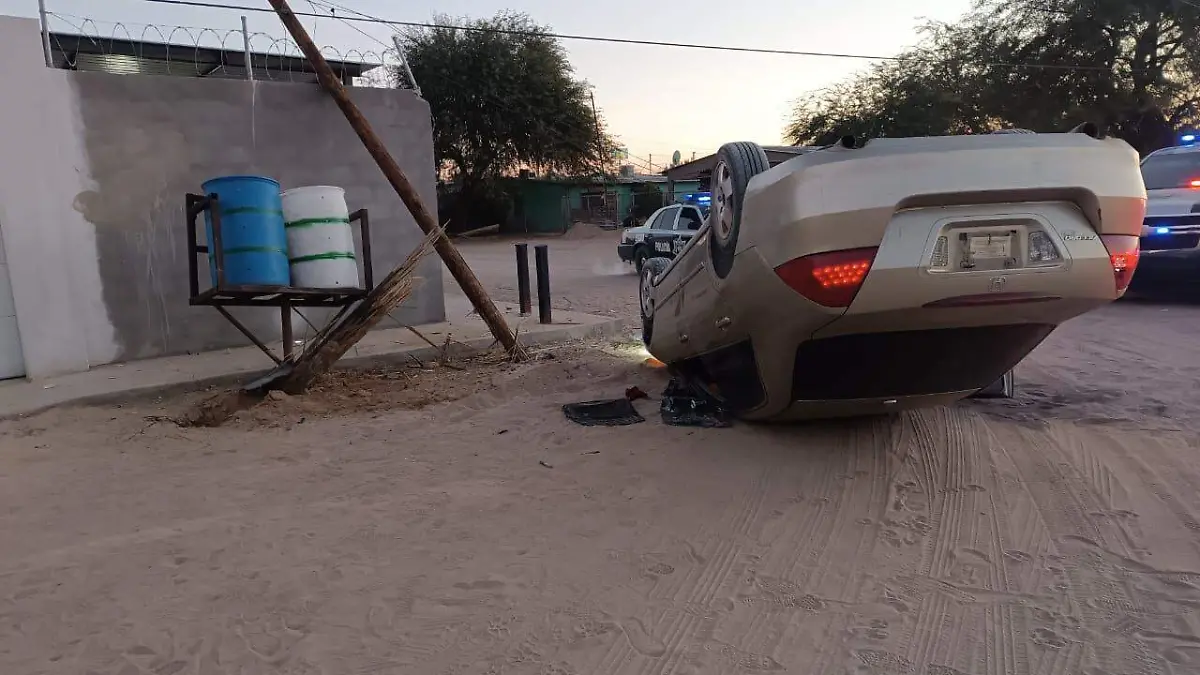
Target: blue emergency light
<point>1187,139</point>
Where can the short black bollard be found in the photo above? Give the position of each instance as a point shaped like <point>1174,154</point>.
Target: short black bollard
<point>523,294</point>
<point>541,260</point>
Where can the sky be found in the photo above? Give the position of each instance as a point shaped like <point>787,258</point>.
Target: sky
<point>655,99</point>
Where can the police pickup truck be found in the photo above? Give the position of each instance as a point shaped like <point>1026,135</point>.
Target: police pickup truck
<point>664,234</point>
<point>1170,255</point>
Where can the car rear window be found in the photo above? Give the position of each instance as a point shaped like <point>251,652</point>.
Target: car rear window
<point>1163,172</point>
<point>689,219</point>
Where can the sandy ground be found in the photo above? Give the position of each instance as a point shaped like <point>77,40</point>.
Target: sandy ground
<point>449,520</point>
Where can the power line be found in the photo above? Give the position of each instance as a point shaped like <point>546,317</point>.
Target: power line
<point>614,40</point>
<point>332,7</point>
<point>556,125</point>
<point>658,144</point>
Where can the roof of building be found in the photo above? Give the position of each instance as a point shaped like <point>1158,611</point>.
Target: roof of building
<point>596,180</point>
<point>124,56</point>
<point>698,168</point>
<point>641,178</point>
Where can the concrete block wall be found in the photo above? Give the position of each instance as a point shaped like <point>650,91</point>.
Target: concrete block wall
<point>93,172</point>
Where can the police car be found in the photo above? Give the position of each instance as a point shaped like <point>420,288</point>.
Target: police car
<point>664,235</point>
<point>1170,241</point>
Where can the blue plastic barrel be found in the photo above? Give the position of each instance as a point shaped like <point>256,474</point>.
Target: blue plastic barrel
<point>252,234</point>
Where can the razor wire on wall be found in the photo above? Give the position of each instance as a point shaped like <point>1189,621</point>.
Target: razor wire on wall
<point>81,43</point>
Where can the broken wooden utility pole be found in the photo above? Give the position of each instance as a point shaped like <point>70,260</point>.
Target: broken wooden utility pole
<point>329,345</point>
<point>395,175</point>
<point>333,342</point>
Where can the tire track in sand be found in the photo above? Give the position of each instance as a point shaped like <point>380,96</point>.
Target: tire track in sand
<point>1173,483</point>
<point>936,459</point>
<point>808,499</point>
<point>964,616</point>
<point>658,649</point>
<point>769,565</point>
<point>1102,596</point>
<point>861,513</point>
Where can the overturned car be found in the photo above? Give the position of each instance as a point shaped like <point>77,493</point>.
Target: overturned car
<point>903,272</point>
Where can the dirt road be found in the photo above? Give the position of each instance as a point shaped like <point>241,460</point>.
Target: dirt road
<point>1051,535</point>
<point>585,273</point>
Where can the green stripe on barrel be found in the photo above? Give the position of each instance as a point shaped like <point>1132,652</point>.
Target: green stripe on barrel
<point>309,222</point>
<point>333,255</point>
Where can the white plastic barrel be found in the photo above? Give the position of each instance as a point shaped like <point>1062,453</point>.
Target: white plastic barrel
<point>320,243</point>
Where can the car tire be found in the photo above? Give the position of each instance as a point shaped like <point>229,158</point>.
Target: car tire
<point>736,164</point>
<point>1005,387</point>
<point>640,255</point>
<point>646,278</point>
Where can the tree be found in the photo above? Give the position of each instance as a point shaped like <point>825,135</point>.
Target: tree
<point>503,97</point>
<point>647,198</point>
<point>1045,65</point>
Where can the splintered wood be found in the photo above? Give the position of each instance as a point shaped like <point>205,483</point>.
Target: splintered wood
<point>324,349</point>
<point>332,343</point>
<point>455,264</point>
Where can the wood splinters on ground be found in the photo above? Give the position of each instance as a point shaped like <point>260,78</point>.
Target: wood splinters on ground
<point>219,408</point>
<point>324,350</point>
<point>320,355</point>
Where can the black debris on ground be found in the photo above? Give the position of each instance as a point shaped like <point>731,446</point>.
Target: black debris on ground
<point>688,405</point>
<point>617,412</point>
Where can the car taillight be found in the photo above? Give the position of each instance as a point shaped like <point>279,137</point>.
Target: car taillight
<point>1123,252</point>
<point>829,279</point>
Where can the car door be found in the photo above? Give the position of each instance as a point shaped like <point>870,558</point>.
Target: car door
<point>642,234</point>
<point>662,232</point>
<point>697,296</point>
<point>687,294</point>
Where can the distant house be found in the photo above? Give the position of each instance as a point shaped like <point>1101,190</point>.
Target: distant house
<point>700,170</point>
<point>554,204</point>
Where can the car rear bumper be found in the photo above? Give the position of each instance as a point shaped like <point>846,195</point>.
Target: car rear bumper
<point>864,407</point>
<point>910,363</point>
<point>863,374</point>
<point>905,291</point>
<point>625,251</point>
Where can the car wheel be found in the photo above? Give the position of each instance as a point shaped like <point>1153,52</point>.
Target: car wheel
<point>640,255</point>
<point>648,275</point>
<point>736,164</point>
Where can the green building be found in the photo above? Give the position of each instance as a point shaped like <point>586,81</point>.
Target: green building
<point>542,205</point>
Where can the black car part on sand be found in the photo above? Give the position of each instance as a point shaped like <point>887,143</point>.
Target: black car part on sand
<point>683,405</point>
<point>617,412</point>
<point>688,405</point>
